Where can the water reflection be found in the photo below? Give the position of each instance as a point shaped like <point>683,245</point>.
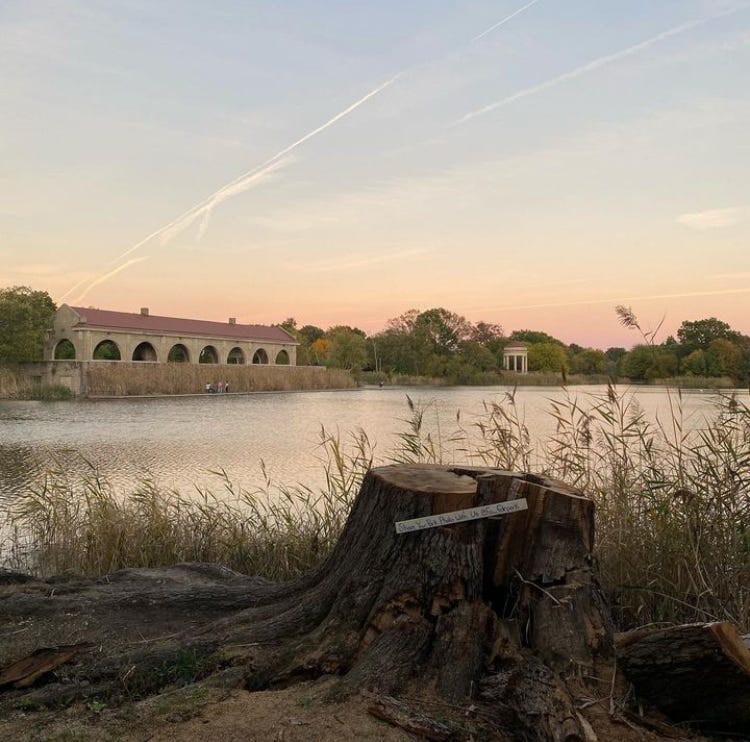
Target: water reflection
<point>182,442</point>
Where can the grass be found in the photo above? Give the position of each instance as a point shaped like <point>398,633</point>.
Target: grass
<point>673,503</point>
<point>139,379</point>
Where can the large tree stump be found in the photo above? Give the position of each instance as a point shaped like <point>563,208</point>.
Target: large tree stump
<point>503,611</point>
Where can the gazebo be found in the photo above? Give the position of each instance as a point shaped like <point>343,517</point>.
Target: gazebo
<point>516,357</point>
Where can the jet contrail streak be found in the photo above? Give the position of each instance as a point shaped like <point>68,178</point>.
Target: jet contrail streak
<point>597,63</point>
<point>205,207</point>
<point>246,180</point>
<point>504,21</point>
<point>233,189</point>
<point>106,276</point>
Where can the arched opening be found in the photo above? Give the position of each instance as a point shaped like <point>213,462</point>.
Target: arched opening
<point>144,352</point>
<point>260,356</point>
<point>107,350</point>
<point>282,359</point>
<point>178,354</point>
<point>65,351</point>
<point>208,355</point>
<point>236,355</point>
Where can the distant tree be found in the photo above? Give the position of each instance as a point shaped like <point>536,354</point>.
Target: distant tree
<point>614,356</point>
<point>477,357</point>
<point>346,348</point>
<point>548,357</point>
<point>486,333</point>
<point>588,361</point>
<point>646,362</point>
<point>694,364</point>
<point>534,336</point>
<point>701,333</point>
<point>440,331</point>
<point>725,358</point>
<point>25,317</point>
<point>308,334</point>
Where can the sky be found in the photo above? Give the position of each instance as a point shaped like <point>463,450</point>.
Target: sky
<point>531,164</point>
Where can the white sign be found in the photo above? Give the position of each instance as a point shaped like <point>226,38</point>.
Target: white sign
<point>459,516</point>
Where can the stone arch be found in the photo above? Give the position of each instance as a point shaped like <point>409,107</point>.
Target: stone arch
<point>107,350</point>
<point>260,356</point>
<point>282,358</point>
<point>64,351</point>
<point>236,355</point>
<point>209,354</point>
<point>144,352</point>
<point>178,353</point>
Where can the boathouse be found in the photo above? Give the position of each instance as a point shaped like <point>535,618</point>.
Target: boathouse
<point>87,334</point>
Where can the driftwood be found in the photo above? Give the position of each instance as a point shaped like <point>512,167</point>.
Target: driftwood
<point>501,615</point>
<point>696,673</point>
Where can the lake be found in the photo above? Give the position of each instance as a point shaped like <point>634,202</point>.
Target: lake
<point>179,441</point>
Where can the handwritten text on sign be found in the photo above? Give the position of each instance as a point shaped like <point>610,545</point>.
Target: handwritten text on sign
<point>458,516</point>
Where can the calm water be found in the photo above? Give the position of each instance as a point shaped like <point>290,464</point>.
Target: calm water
<point>180,441</point>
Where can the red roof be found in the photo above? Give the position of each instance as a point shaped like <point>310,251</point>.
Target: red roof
<point>107,320</point>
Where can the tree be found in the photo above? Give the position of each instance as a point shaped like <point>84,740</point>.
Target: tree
<point>346,348</point>
<point>548,357</point>
<point>534,336</point>
<point>25,316</point>
<point>701,333</point>
<point>614,356</point>
<point>588,361</point>
<point>646,362</point>
<point>725,358</point>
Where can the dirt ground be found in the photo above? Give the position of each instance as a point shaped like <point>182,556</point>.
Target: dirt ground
<point>201,714</point>
<point>102,615</point>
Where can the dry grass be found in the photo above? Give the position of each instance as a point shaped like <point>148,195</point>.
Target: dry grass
<point>143,379</point>
<point>13,385</point>
<point>673,504</point>
<point>83,526</point>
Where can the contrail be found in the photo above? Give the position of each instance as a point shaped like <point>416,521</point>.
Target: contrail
<point>106,276</point>
<point>504,20</point>
<point>204,209</point>
<point>251,177</point>
<point>238,185</point>
<point>597,63</point>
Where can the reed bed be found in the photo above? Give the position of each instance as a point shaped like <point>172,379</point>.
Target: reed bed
<point>673,503</point>
<point>143,379</point>
<point>13,385</point>
<point>82,526</point>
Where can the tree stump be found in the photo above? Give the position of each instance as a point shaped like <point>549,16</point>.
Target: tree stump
<point>504,612</point>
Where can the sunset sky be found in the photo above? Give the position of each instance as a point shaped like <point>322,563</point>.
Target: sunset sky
<point>531,164</point>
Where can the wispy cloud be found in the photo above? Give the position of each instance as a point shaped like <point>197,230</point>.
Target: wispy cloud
<point>352,263</point>
<point>600,62</point>
<point>711,219</point>
<point>107,276</point>
<point>238,185</point>
<point>619,299</point>
<point>504,21</point>
<point>204,209</point>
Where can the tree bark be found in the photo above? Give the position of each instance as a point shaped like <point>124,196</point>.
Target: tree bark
<point>696,673</point>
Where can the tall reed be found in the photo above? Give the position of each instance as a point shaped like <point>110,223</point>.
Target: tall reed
<point>672,500</point>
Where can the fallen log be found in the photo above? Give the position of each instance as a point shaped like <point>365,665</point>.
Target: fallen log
<point>695,673</point>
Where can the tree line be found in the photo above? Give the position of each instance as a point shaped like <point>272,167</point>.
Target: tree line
<point>441,344</point>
